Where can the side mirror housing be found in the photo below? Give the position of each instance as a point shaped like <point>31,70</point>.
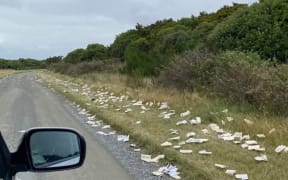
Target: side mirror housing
<point>49,149</point>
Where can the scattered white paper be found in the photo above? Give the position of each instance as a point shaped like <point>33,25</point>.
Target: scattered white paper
<point>185,151</point>
<point>220,166</point>
<point>137,150</point>
<point>170,170</point>
<point>196,121</point>
<point>175,138</point>
<point>251,142</point>
<point>184,114</point>
<point>176,147</point>
<point>102,133</point>
<point>190,134</point>
<point>166,144</point>
<point>106,127</point>
<point>164,105</point>
<point>138,122</point>
<point>204,152</point>
<point>245,137</point>
<point>241,176</point>
<point>139,103</point>
<point>173,131</point>
<point>262,157</point>
<point>147,158</point>
<point>280,148</point>
<point>128,110</point>
<point>230,172</point>
<point>261,135</point>
<point>181,122</point>
<point>195,140</point>
<point>123,138</point>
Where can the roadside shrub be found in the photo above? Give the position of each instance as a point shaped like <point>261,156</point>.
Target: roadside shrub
<point>109,66</point>
<point>241,78</point>
<point>187,71</point>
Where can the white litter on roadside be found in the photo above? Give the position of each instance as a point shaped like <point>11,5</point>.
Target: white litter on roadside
<point>106,127</point>
<point>251,142</point>
<point>138,122</point>
<point>177,147</point>
<point>184,114</point>
<point>164,105</point>
<point>255,148</point>
<point>190,134</point>
<point>216,128</point>
<point>166,144</point>
<point>221,166</point>
<point>195,140</point>
<point>204,152</point>
<point>181,122</point>
<point>139,103</point>
<point>128,110</point>
<point>147,158</point>
<point>170,170</point>
<point>123,138</point>
<point>102,133</point>
<point>173,131</point>
<point>175,138</point>
<point>280,148</point>
<point>241,176</point>
<point>185,151</point>
<point>196,121</point>
<point>261,135</point>
<point>230,172</point>
<point>262,157</point>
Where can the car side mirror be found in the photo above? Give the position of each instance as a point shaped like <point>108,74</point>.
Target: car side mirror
<point>49,149</point>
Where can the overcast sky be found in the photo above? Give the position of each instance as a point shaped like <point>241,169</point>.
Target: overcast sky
<point>43,28</point>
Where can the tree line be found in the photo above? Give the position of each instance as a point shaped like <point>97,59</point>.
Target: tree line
<point>259,28</point>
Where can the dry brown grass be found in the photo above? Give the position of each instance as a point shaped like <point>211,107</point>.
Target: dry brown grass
<point>5,72</point>
<point>154,130</point>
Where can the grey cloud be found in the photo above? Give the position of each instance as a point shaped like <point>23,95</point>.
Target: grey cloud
<point>42,28</point>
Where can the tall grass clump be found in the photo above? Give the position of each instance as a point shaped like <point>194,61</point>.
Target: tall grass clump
<point>241,78</point>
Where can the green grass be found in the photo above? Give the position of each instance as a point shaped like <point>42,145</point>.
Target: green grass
<point>153,130</point>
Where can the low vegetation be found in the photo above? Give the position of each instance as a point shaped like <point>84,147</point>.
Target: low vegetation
<point>238,77</point>
<point>5,72</point>
<point>22,64</point>
<point>154,130</point>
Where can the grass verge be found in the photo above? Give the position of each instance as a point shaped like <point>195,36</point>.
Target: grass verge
<point>6,72</point>
<point>154,130</point>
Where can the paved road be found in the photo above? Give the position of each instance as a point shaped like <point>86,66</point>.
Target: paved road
<point>24,103</point>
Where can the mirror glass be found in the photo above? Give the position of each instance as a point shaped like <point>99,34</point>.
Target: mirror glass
<point>51,149</point>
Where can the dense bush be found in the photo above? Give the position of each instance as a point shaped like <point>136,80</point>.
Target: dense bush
<point>238,77</point>
<point>22,64</point>
<point>110,66</point>
<point>92,52</point>
<point>261,28</point>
